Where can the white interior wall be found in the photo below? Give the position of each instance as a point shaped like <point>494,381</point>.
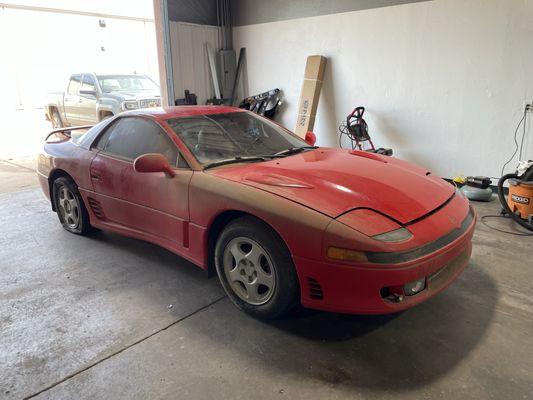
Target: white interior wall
<point>444,81</point>
<point>190,66</point>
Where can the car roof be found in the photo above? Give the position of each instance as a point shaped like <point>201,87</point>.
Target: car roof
<point>164,113</point>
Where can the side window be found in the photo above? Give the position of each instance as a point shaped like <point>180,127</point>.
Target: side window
<point>131,137</point>
<point>74,84</point>
<point>88,83</point>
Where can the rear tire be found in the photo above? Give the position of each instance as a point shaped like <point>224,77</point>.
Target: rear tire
<point>56,120</point>
<point>70,208</point>
<point>256,270</point>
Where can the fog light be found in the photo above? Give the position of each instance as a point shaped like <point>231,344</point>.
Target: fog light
<point>414,287</point>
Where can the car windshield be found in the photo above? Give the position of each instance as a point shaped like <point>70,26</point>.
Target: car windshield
<point>238,135</point>
<point>124,83</point>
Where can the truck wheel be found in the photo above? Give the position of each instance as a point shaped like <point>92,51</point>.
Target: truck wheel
<point>56,119</point>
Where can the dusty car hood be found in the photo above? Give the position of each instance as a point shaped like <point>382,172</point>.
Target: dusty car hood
<point>134,95</point>
<point>334,181</point>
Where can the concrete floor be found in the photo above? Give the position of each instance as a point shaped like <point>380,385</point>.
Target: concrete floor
<point>110,317</point>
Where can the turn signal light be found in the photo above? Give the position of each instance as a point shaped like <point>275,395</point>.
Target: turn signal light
<point>337,253</point>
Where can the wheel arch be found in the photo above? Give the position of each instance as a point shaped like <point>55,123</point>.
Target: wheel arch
<point>53,108</point>
<point>102,113</point>
<point>217,226</point>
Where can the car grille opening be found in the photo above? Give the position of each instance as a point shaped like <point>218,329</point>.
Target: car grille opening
<point>315,290</point>
<point>96,208</point>
<point>442,276</point>
<point>145,103</point>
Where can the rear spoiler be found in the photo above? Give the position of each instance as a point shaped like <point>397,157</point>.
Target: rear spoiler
<point>66,131</point>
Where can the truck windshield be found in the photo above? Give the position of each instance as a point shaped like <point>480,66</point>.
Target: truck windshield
<point>217,137</point>
<point>124,83</point>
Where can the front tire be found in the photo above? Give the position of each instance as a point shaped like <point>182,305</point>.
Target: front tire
<point>69,206</point>
<point>256,270</point>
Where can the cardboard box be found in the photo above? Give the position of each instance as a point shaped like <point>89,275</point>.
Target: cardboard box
<point>314,74</point>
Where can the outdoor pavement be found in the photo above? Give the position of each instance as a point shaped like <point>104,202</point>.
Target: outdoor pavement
<point>107,317</point>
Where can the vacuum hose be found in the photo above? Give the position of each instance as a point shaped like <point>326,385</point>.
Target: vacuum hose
<point>506,207</point>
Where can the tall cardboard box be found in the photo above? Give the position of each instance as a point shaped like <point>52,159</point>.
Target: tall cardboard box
<point>314,74</point>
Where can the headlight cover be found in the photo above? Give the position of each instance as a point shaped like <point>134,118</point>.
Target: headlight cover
<point>129,105</point>
<point>358,235</point>
<point>375,225</point>
<point>397,235</point>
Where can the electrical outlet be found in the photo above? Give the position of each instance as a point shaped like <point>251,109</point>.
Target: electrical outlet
<point>528,106</point>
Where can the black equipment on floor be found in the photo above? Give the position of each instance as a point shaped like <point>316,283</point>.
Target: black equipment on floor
<point>189,100</point>
<point>356,129</point>
<point>481,182</point>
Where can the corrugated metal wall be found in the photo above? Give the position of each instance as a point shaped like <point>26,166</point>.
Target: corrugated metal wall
<point>190,66</point>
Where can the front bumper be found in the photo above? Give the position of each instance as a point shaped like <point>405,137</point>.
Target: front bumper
<point>355,289</point>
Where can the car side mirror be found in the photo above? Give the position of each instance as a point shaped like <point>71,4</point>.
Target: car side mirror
<point>153,162</point>
<point>88,93</point>
<point>310,138</point>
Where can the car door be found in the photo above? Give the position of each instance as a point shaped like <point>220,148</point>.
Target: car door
<point>87,100</point>
<point>71,100</point>
<point>147,204</point>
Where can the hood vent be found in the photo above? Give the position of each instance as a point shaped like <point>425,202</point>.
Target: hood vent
<point>277,180</point>
<point>366,154</point>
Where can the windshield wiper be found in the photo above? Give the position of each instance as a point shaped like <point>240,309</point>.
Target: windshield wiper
<point>262,157</point>
<point>234,160</point>
<point>294,150</point>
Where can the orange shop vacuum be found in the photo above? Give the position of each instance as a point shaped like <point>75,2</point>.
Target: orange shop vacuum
<point>519,202</point>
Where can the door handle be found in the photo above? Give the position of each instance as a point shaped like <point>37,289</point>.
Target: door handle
<point>96,177</point>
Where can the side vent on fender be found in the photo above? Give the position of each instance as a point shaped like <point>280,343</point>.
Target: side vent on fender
<point>96,208</point>
<point>315,290</point>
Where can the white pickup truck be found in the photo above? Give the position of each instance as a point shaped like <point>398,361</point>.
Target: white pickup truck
<point>90,98</point>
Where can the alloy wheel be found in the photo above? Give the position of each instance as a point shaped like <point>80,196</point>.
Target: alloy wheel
<point>249,270</point>
<point>69,207</point>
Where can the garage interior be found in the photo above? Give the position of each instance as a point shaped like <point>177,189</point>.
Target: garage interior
<point>444,83</point>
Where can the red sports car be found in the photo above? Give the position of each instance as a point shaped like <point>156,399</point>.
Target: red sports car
<point>282,222</point>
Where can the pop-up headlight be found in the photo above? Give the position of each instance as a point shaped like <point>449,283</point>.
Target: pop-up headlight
<point>375,225</point>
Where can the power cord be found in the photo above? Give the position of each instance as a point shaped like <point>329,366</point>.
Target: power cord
<point>516,141</point>
<point>484,222</point>
<point>344,130</point>
<point>526,109</point>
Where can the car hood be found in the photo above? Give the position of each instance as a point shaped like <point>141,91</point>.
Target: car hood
<point>134,95</point>
<point>334,181</point>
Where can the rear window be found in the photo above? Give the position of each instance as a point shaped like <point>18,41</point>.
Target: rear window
<point>85,138</point>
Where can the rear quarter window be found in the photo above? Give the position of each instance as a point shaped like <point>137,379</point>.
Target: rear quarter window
<point>85,139</point>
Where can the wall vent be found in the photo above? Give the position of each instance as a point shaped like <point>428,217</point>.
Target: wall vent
<point>315,290</point>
